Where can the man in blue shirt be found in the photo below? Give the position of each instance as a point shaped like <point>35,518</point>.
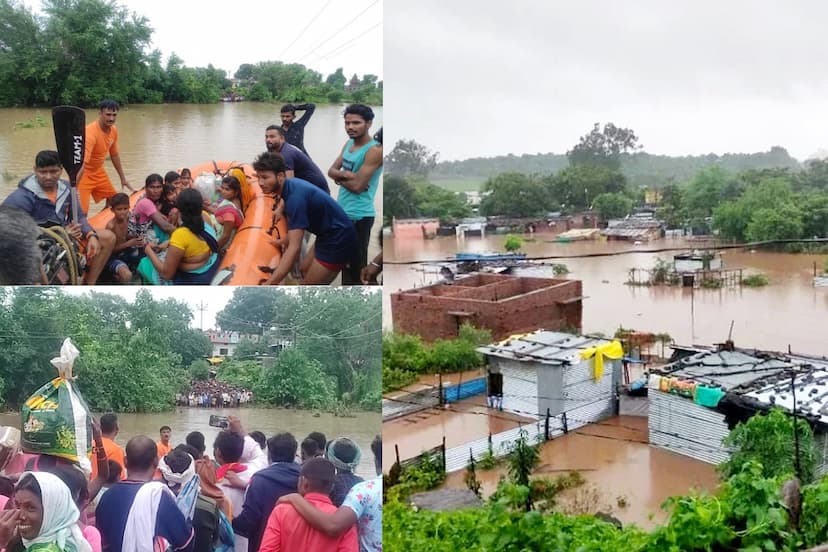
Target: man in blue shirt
<point>297,163</point>
<point>295,128</point>
<point>357,170</point>
<point>306,207</point>
<point>137,512</point>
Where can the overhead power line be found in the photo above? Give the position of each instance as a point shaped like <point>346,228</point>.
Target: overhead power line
<point>302,32</point>
<point>336,32</point>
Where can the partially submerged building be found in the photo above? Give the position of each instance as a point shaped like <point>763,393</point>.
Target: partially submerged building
<point>698,398</point>
<point>634,229</point>
<point>544,374</point>
<point>501,303</point>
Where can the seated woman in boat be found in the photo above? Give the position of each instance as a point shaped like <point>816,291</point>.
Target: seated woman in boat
<point>229,211</point>
<point>147,212</point>
<point>192,256</point>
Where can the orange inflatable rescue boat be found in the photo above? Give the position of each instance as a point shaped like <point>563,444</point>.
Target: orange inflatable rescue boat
<point>251,247</point>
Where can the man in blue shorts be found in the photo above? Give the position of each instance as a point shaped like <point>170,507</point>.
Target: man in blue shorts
<point>297,163</point>
<point>306,207</point>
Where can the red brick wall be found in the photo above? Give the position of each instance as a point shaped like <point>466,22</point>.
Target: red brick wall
<point>532,304</point>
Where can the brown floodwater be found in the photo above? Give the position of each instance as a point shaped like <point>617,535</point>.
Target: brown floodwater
<point>362,427</point>
<point>623,475</point>
<point>790,312</point>
<point>460,422</point>
<point>159,138</point>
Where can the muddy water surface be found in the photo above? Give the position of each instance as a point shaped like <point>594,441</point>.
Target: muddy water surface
<point>362,428</point>
<point>624,475</point>
<point>789,312</point>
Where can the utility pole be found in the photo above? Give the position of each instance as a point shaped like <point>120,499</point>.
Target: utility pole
<point>797,465</point>
<point>201,307</point>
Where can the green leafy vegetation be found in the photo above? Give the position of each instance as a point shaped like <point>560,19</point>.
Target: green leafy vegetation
<point>405,357</point>
<point>513,243</point>
<point>332,364</point>
<point>81,51</point>
<point>755,280</point>
<point>750,511</point>
<point>37,122</point>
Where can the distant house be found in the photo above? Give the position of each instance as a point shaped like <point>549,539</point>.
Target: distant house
<point>695,261</point>
<point>696,400</point>
<point>224,343</point>
<point>634,229</point>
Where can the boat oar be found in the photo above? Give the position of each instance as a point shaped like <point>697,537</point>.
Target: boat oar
<point>70,137</point>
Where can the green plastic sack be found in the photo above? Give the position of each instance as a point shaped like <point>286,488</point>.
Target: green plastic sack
<point>56,419</point>
<point>709,396</point>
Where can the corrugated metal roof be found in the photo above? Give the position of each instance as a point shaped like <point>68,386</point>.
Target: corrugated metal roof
<point>727,369</point>
<point>811,393</point>
<point>544,347</point>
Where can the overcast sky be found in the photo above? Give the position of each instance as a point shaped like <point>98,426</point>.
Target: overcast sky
<point>482,78</point>
<point>215,298</point>
<point>228,34</point>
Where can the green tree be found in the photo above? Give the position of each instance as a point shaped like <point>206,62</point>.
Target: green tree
<point>575,188</point>
<point>434,201</point>
<point>399,199</point>
<point>769,440</point>
<point>603,147</point>
<point>295,380</point>
<point>200,370</point>
<point>671,209</point>
<point>612,206</point>
<point>514,195</point>
<point>782,222</point>
<point>248,349</point>
<point>252,310</point>
<point>337,79</point>
<point>513,243</point>
<point>410,158</point>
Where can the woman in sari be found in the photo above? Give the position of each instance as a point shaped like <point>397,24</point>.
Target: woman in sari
<point>192,255</point>
<point>45,515</point>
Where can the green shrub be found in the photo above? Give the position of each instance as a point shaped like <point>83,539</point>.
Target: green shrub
<point>755,280</point>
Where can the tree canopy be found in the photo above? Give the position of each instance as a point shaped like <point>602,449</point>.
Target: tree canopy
<point>82,51</point>
<point>409,158</point>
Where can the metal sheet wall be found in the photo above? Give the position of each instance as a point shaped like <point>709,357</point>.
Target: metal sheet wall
<point>680,425</point>
<point>520,387</point>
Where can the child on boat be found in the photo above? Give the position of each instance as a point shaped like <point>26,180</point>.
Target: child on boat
<point>127,250</point>
<point>229,211</point>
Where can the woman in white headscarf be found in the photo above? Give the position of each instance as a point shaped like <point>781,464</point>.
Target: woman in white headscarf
<point>47,517</point>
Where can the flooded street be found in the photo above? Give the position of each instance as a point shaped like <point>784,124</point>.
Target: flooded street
<point>619,469</point>
<point>788,313</point>
<point>460,422</point>
<point>362,428</point>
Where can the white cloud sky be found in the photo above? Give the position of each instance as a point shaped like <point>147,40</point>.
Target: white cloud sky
<point>228,34</point>
<point>483,78</point>
<point>214,298</point>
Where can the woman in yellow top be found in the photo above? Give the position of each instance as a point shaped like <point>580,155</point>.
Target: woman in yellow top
<point>192,256</point>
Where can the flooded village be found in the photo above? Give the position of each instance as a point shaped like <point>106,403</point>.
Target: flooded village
<point>637,433</point>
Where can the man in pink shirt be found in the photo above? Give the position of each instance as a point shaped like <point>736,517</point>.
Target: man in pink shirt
<point>286,530</point>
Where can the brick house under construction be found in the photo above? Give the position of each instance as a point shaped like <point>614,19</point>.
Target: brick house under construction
<point>504,304</point>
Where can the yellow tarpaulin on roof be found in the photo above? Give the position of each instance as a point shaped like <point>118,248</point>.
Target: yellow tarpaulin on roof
<point>612,350</point>
<point>215,360</point>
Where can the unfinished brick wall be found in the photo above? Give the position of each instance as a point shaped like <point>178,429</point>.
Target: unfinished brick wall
<point>504,304</point>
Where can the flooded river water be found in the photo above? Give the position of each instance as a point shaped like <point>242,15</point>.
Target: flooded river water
<point>362,428</point>
<point>790,312</point>
<point>159,138</point>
